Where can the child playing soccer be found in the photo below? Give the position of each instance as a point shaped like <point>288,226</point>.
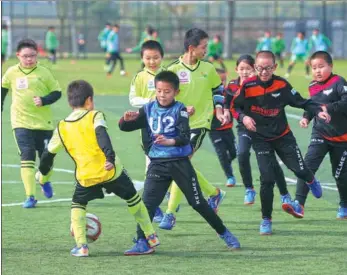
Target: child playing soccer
<point>167,122</point>
<point>223,139</point>
<point>278,47</point>
<point>34,89</point>
<point>260,104</point>
<point>84,136</point>
<point>201,91</point>
<point>215,51</point>
<point>142,91</point>
<point>245,69</point>
<point>265,42</point>
<point>300,50</point>
<point>330,90</point>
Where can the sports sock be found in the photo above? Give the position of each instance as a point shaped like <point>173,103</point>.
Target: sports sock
<point>27,172</point>
<point>79,223</point>
<point>176,196</point>
<point>138,209</point>
<point>44,178</point>
<point>207,188</point>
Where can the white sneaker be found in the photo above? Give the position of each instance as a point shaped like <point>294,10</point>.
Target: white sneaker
<point>286,75</point>
<point>122,73</point>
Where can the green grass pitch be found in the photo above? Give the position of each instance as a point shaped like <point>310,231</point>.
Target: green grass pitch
<point>37,241</point>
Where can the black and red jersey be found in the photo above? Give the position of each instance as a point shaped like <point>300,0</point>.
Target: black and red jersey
<point>333,94</point>
<point>265,103</point>
<point>229,93</point>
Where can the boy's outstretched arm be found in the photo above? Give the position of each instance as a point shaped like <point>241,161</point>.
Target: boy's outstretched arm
<point>132,121</point>
<point>103,138</point>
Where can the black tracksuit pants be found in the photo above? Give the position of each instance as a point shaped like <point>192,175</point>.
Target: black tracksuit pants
<point>160,174</point>
<point>317,150</point>
<point>224,144</point>
<point>289,152</point>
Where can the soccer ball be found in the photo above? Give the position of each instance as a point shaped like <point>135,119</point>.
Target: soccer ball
<point>93,228</point>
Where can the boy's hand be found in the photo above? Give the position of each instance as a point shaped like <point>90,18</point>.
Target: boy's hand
<point>162,140</point>
<point>190,110</point>
<point>37,101</point>
<point>108,55</point>
<point>220,116</point>
<point>227,114</point>
<point>325,116</point>
<point>304,123</point>
<point>108,166</point>
<point>130,115</point>
<point>249,123</point>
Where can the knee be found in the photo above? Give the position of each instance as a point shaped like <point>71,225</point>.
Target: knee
<point>27,153</point>
<point>243,156</point>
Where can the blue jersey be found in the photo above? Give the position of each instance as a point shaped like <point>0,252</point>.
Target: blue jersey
<point>320,42</point>
<point>300,46</point>
<point>264,44</point>
<point>164,121</point>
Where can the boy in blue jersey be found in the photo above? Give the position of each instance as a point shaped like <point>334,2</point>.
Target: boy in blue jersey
<point>265,43</point>
<point>168,124</point>
<point>300,50</point>
<point>102,37</point>
<point>319,42</point>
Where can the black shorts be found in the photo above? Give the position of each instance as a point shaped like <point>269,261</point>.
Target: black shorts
<point>3,57</point>
<point>53,51</point>
<point>197,137</point>
<point>122,186</point>
<point>146,140</point>
<point>29,141</point>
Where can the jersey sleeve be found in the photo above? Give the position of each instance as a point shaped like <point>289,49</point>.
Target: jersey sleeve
<point>339,106</point>
<point>135,96</point>
<point>99,120</point>
<point>55,144</point>
<point>5,81</point>
<point>238,104</point>
<point>217,88</point>
<point>52,83</point>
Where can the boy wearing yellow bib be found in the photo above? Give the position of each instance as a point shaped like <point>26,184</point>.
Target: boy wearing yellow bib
<point>84,136</point>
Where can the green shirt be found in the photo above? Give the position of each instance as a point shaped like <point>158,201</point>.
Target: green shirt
<point>142,88</point>
<point>51,41</point>
<point>25,84</point>
<point>4,41</point>
<point>214,48</point>
<point>197,83</point>
<point>137,48</point>
<point>278,45</point>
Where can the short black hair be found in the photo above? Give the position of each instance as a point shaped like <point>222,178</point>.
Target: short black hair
<point>78,91</point>
<point>116,25</point>
<point>3,26</point>
<point>26,43</point>
<point>193,37</point>
<point>51,27</point>
<point>168,77</point>
<point>266,54</point>
<point>107,24</point>
<point>152,45</point>
<point>324,55</point>
<point>245,58</point>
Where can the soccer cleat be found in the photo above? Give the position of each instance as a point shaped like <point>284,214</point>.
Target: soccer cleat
<point>249,196</point>
<point>140,247</point>
<point>168,222</point>
<point>265,227</point>
<point>123,73</point>
<point>231,182</point>
<point>82,251</point>
<point>286,75</point>
<point>315,188</point>
<point>153,240</point>
<point>216,200</point>
<point>230,240</point>
<point>341,213</point>
<point>30,202</point>
<point>47,189</point>
<point>158,216</point>
<point>292,207</point>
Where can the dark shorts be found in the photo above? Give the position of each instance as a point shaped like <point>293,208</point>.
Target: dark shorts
<point>53,51</point>
<point>3,57</point>
<point>215,56</point>
<point>29,141</point>
<point>197,137</point>
<point>122,186</point>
